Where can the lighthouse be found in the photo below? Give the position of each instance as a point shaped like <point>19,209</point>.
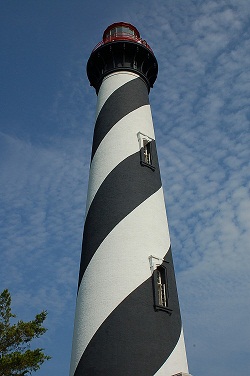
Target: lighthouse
<point>127,320</point>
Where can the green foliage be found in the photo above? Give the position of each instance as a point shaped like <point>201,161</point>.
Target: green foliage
<point>16,357</point>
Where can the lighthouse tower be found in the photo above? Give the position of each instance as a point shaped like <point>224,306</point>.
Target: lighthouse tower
<point>127,320</point>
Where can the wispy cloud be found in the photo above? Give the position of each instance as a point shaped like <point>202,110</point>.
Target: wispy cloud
<point>42,216</point>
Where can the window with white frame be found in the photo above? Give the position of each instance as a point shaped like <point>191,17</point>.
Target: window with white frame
<point>161,296</point>
<point>145,144</point>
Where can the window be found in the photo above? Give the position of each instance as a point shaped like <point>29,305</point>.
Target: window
<point>161,286</point>
<point>161,298</point>
<point>146,150</point>
<point>121,30</point>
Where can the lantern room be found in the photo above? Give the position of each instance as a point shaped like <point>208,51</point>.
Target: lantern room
<point>120,31</point>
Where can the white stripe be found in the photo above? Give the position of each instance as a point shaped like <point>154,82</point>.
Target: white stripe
<point>177,361</point>
<point>118,267</point>
<point>115,80</point>
<point>119,143</point>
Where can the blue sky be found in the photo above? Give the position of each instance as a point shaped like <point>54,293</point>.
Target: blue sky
<point>201,112</point>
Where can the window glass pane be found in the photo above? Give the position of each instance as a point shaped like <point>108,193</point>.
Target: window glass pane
<point>146,151</point>
<point>126,30</point>
<point>113,31</point>
<point>119,30</point>
<point>161,287</point>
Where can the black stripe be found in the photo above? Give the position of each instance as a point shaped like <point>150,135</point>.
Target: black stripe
<point>134,340</point>
<point>126,187</point>
<point>121,102</point>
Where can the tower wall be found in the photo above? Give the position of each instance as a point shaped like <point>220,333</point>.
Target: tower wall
<point>121,328</point>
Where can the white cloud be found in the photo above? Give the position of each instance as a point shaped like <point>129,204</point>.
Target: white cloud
<point>42,216</point>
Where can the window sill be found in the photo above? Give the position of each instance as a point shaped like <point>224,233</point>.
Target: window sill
<point>148,165</point>
<point>161,308</point>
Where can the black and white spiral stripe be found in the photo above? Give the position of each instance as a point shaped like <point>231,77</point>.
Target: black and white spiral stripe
<point>117,331</point>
